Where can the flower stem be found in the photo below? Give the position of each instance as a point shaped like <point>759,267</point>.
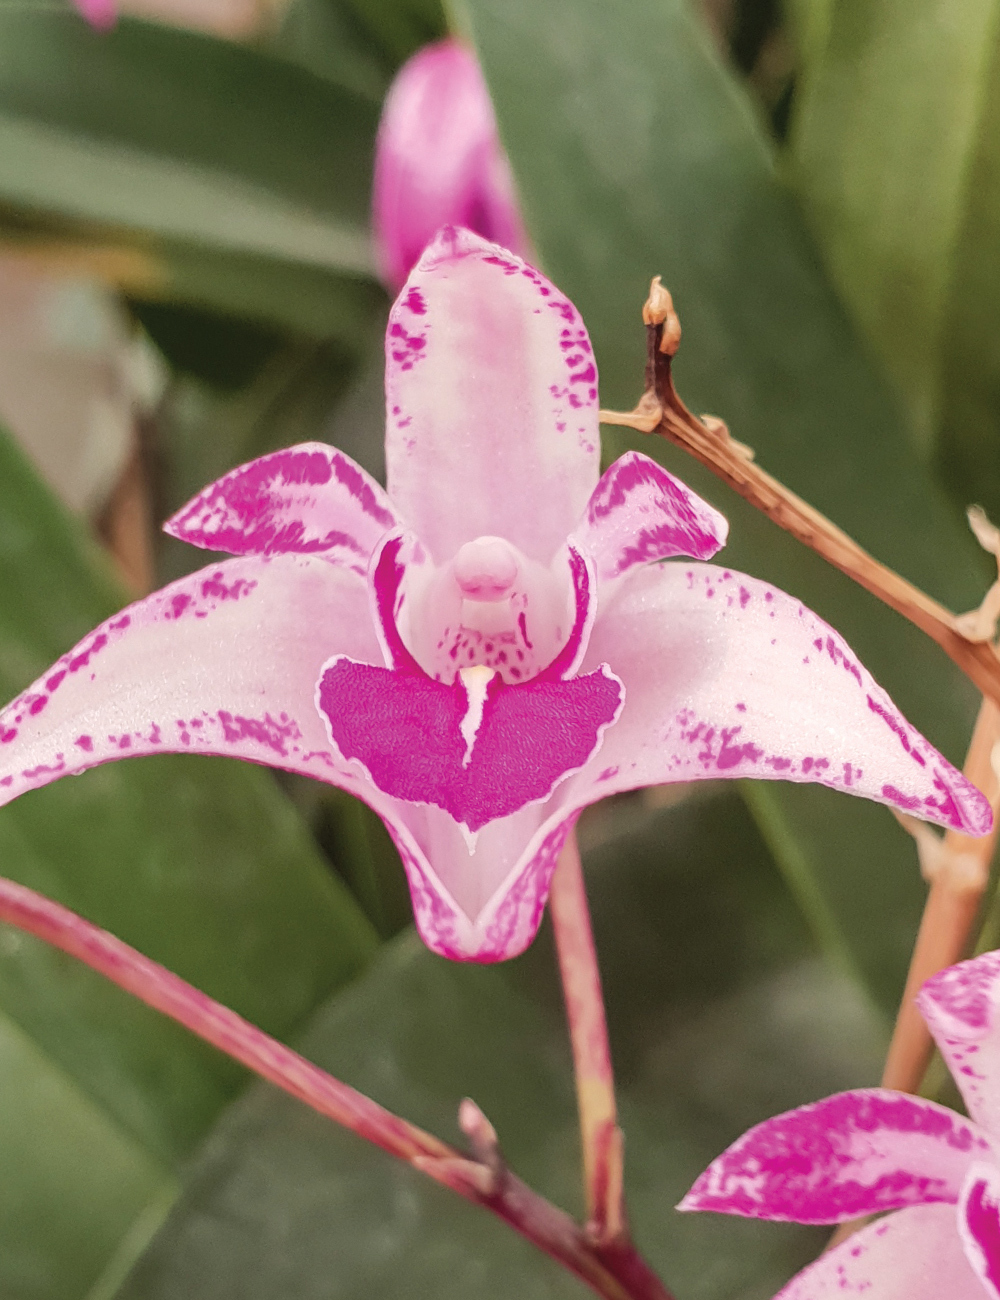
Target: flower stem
<point>662,411</point>
<point>600,1135</point>
<point>959,872</point>
<point>615,1272</point>
<point>958,867</point>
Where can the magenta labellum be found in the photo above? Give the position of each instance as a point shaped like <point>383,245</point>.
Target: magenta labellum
<point>490,645</point>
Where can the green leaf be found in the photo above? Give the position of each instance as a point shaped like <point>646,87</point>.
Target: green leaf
<point>883,140</point>
<point>232,178</point>
<point>636,154</point>
<point>967,448</point>
<point>200,863</point>
<point>720,1015</point>
<point>72,1178</point>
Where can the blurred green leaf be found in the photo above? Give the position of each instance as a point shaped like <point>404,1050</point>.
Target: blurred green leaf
<point>885,132</point>
<point>200,863</point>
<point>636,154</point>
<point>222,171</point>
<point>968,448</point>
<point>72,1178</point>
<point>720,1015</point>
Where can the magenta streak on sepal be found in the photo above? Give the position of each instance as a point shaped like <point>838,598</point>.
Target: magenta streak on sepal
<point>979,1225</point>
<point>385,585</point>
<point>639,513</point>
<point>569,658</point>
<point>283,503</point>
<point>966,993</point>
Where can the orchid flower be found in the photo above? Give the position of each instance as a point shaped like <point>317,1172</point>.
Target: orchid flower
<point>439,161</point>
<point>491,645</point>
<point>865,1152</point>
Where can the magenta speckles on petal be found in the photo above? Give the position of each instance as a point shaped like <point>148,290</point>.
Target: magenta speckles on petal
<point>967,992</point>
<point>492,346</point>
<point>852,1154</point>
<point>914,1254</point>
<point>639,513</point>
<point>308,499</point>
<point>407,732</point>
<point>979,1225</point>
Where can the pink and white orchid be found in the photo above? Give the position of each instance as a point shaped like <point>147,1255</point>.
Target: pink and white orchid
<point>865,1152</point>
<point>439,161</point>
<point>491,645</point>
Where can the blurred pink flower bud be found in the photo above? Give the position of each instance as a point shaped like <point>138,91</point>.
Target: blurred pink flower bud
<point>439,161</point>
<point>99,13</point>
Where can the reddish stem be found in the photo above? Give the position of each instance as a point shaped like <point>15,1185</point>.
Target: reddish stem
<point>616,1273</point>
<point>600,1135</point>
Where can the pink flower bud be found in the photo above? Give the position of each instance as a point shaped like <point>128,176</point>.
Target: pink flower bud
<point>439,161</point>
<point>99,13</point>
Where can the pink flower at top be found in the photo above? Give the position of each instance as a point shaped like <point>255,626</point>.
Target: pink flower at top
<point>491,645</point>
<point>865,1152</point>
<point>99,13</point>
<point>439,161</point>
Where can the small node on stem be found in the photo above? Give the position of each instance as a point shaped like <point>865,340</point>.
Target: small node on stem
<point>980,625</point>
<point>645,417</point>
<point>483,1140</point>
<point>721,430</point>
<point>658,309</point>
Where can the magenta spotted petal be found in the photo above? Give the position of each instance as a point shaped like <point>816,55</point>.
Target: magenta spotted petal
<point>310,499</point>
<point>913,1255</point>
<point>850,1155</point>
<point>962,1008</point>
<point>864,1152</point>
<point>498,641</point>
<point>639,513</point>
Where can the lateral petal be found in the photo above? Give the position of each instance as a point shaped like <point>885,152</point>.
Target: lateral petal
<point>222,662</point>
<point>852,1154</point>
<point>639,513</point>
<point>725,676</point>
<point>913,1255</point>
<point>303,500</point>
<point>960,1005</point>
<point>491,402</point>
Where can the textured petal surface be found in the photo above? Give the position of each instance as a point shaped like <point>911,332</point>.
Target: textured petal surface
<point>222,662</point>
<point>979,1225</point>
<point>477,754</point>
<point>852,1154</point>
<point>439,161</point>
<point>962,1008</point>
<point>913,1255</point>
<point>303,500</point>
<point>491,395</point>
<point>638,513</point>
<point>727,677</point>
